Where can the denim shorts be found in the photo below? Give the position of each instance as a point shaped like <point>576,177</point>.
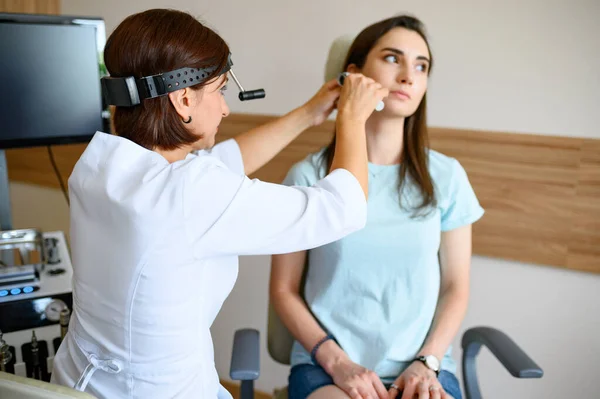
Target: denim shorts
<point>304,379</point>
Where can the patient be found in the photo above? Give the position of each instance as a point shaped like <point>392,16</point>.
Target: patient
<point>381,307</point>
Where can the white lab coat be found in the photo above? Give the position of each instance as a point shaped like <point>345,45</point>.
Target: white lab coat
<point>154,248</point>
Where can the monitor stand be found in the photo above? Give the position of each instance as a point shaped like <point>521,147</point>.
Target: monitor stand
<point>6,257</point>
<point>5,213</point>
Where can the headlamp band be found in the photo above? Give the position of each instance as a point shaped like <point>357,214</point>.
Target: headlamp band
<point>129,91</point>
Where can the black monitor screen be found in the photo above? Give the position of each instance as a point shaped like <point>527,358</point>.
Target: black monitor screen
<point>49,84</point>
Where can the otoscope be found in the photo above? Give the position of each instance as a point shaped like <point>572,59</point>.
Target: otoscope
<point>342,77</point>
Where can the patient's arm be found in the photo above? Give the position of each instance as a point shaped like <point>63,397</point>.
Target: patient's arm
<point>284,287</point>
<point>353,379</point>
<point>455,260</point>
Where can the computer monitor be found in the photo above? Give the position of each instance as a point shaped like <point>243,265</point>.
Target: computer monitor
<point>50,68</point>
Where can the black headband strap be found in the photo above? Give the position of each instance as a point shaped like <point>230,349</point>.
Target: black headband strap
<point>129,91</point>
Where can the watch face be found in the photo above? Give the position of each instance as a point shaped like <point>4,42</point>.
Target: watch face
<point>432,362</point>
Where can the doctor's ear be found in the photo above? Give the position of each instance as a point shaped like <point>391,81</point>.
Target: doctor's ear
<point>184,100</point>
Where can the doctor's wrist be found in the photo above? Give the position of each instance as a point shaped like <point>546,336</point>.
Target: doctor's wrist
<point>305,115</point>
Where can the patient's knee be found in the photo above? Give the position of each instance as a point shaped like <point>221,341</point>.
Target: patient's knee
<point>328,392</point>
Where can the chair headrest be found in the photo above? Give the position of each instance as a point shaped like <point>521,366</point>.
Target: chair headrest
<point>337,55</point>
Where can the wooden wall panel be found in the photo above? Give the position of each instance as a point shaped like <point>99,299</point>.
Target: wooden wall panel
<point>521,180</point>
<point>541,193</point>
<point>584,241</point>
<point>32,165</point>
<point>31,6</point>
<point>275,171</point>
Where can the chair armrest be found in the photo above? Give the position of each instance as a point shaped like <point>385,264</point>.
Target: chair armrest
<point>245,355</point>
<point>512,357</point>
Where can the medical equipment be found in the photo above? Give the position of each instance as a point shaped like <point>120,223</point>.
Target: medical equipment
<point>342,77</point>
<point>129,91</point>
<point>6,355</point>
<point>35,300</point>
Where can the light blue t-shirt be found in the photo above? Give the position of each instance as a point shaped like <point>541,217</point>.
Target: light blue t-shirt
<point>376,290</point>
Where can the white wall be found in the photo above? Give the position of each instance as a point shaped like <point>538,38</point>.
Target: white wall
<point>530,67</point>
<point>512,65</point>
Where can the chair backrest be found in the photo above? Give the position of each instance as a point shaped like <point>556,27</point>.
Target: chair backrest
<point>279,339</point>
<point>337,55</point>
<point>16,387</point>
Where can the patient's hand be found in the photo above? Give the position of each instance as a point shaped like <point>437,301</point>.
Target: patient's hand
<point>417,381</point>
<point>357,381</point>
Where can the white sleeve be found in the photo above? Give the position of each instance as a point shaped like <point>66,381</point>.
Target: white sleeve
<point>230,214</point>
<point>229,153</point>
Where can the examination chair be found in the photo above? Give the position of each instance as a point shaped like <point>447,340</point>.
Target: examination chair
<point>245,356</point>
<point>245,365</point>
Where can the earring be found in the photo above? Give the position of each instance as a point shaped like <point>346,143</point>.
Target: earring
<point>188,121</point>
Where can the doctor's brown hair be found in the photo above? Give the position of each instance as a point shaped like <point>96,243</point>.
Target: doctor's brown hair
<point>153,42</point>
<point>414,159</point>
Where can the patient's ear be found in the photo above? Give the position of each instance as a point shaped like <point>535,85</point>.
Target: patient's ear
<point>352,68</point>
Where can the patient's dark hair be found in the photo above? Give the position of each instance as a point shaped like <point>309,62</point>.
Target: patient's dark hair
<point>414,159</point>
<point>153,42</point>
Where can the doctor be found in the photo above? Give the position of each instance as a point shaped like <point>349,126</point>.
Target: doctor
<point>159,215</point>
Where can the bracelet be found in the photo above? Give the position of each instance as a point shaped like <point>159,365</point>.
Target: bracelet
<point>313,352</point>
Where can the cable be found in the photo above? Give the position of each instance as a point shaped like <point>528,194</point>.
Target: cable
<point>57,172</point>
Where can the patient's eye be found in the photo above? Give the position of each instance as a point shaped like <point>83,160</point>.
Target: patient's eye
<point>422,67</point>
<point>223,89</point>
<point>391,58</point>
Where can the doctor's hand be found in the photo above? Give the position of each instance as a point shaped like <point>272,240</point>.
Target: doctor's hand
<point>357,381</point>
<point>322,104</point>
<point>359,97</point>
<point>417,381</point>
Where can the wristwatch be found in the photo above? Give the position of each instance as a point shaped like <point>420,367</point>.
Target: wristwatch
<point>431,362</point>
